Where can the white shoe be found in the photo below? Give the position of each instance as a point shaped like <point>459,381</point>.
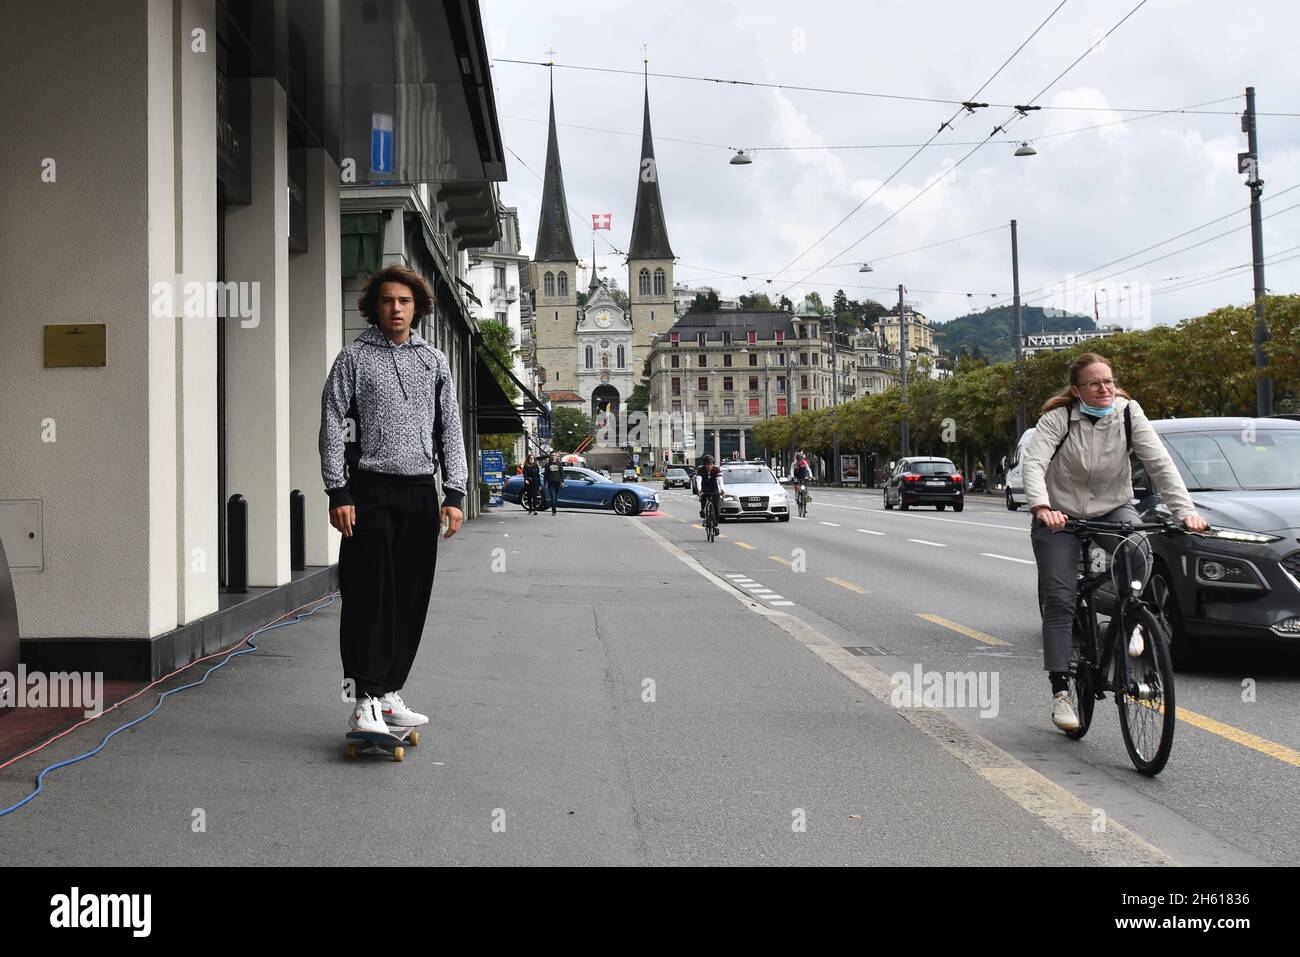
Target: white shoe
<point>1136,642</point>
<point>396,713</point>
<point>1063,715</point>
<point>368,716</point>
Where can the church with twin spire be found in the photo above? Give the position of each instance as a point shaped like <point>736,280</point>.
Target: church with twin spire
<point>590,357</point>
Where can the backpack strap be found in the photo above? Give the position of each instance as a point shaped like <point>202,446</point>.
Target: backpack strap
<point>1128,433</point>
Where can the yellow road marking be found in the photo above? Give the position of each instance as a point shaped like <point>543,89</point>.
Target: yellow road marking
<point>849,585</point>
<point>744,545</point>
<point>783,561</point>
<point>962,629</point>
<point>1244,738</point>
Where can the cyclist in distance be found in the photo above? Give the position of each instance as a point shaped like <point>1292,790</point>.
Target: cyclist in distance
<point>1077,467</point>
<point>802,475</point>
<point>707,483</point>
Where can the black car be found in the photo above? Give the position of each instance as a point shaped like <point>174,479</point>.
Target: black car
<point>925,480</point>
<point>1238,585</point>
<point>676,478</point>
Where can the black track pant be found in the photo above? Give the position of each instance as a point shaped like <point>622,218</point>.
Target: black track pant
<point>385,577</point>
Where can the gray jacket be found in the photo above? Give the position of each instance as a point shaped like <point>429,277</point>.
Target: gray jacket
<point>394,390</point>
<point>1091,475</point>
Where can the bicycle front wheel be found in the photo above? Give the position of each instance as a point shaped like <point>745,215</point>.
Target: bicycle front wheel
<point>1147,712</point>
<point>1081,689</point>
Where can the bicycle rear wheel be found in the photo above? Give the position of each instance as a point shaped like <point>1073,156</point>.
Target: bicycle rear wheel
<point>1147,712</point>
<point>1082,696</point>
<point>710,522</point>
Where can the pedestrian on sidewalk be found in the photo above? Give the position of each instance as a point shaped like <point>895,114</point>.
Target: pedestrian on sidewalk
<point>554,479</point>
<point>393,393</point>
<point>532,484</point>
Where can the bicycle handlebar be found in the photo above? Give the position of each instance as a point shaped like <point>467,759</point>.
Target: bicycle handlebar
<point>1166,526</point>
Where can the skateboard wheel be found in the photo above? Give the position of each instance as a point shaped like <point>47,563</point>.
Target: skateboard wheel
<point>399,754</point>
<point>414,739</point>
<point>352,749</point>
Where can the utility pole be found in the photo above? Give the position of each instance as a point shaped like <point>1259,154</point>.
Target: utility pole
<point>1248,163</point>
<point>902,366</point>
<point>835,401</point>
<point>1017,332</point>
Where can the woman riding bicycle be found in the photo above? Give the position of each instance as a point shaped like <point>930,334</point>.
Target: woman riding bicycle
<point>532,484</point>
<point>1077,466</point>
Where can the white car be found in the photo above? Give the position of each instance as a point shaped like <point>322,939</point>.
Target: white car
<point>752,491</point>
<point>1015,477</point>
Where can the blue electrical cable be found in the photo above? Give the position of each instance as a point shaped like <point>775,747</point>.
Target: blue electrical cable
<point>40,778</point>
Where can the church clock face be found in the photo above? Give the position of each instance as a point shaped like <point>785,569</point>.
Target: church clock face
<point>603,319</point>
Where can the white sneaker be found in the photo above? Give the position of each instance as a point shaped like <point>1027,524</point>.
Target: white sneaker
<point>396,713</point>
<point>1063,715</point>
<point>368,716</point>
<point>1136,642</point>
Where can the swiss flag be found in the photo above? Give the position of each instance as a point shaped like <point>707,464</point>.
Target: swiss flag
<point>601,220</point>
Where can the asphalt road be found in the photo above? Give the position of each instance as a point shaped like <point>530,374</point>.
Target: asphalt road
<point>868,575</point>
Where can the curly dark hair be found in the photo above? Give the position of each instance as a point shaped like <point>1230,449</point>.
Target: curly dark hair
<point>368,304</point>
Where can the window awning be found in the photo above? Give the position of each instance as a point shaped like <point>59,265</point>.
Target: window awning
<point>493,413</point>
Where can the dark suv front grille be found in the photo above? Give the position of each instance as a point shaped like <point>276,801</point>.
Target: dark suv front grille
<point>1292,564</point>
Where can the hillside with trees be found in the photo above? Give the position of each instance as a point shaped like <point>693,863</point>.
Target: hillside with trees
<point>989,332</point>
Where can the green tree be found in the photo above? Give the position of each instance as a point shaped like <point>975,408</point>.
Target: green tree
<point>757,303</point>
<point>570,427</point>
<point>706,302</point>
<point>814,300</point>
<point>839,302</point>
<point>499,339</point>
<point>639,400</point>
<point>617,292</point>
<point>785,305</point>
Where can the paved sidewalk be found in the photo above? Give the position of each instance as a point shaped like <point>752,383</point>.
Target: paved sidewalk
<point>534,679</point>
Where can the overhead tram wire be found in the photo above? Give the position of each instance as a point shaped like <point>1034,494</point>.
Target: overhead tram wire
<point>1020,110</point>
<point>758,84</point>
<point>967,106</point>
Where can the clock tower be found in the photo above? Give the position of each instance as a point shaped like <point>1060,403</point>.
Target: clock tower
<point>606,373</point>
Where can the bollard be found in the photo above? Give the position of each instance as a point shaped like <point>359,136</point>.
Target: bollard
<point>297,530</point>
<point>237,544</point>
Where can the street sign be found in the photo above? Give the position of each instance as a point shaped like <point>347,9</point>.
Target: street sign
<point>381,143</point>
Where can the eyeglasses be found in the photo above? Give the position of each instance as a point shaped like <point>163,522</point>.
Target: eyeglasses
<point>1096,384</point>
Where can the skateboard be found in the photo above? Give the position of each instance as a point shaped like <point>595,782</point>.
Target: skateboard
<point>378,742</point>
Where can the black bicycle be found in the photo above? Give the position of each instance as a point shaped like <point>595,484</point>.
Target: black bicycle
<point>801,498</point>
<point>1131,659</point>
<point>710,518</point>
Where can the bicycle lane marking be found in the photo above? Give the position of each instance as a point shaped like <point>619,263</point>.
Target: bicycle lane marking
<point>1059,809</point>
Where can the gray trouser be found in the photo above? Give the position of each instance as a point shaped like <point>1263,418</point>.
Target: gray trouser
<point>1057,554</point>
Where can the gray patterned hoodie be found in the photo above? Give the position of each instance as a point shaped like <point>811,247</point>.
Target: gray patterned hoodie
<point>397,414</point>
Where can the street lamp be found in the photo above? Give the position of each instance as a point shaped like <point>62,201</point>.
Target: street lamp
<point>865,267</point>
<point>742,158</point>
<point>1026,150</point>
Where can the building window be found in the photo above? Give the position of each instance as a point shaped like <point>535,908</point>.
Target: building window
<point>780,335</point>
<point>704,407</point>
<point>753,359</point>
<point>589,353</point>
<point>652,315</point>
<point>726,338</point>
<point>817,358</point>
<point>677,361</point>
<point>728,407</point>
<point>661,283</point>
<point>752,337</point>
<point>753,407</point>
<point>704,359</point>
<point>643,282</point>
<point>499,276</point>
<point>557,315</point>
<point>677,407</point>
<point>803,358</point>
<point>702,339</point>
<point>726,383</point>
<point>803,404</point>
<point>780,358</point>
<point>548,284</point>
<point>726,360</point>
<point>562,286</point>
<point>621,357</point>
<point>780,406</point>
<point>780,385</point>
<point>753,383</point>
<point>501,317</point>
<point>677,386</point>
<point>674,338</point>
<point>803,382</point>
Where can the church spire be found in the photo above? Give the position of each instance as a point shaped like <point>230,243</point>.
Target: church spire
<point>554,241</point>
<point>595,282</point>
<point>649,231</point>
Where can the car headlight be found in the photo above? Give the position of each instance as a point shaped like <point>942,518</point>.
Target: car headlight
<point>1240,535</point>
<point>1228,573</point>
<point>728,498</point>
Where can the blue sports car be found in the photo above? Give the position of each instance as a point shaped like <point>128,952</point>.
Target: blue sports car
<point>584,488</point>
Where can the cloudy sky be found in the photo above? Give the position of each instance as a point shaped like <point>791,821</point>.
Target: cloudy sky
<point>1087,198</point>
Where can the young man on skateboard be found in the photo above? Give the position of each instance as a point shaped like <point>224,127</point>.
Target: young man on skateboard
<point>396,393</point>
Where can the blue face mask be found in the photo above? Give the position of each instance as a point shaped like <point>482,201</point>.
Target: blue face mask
<point>1089,410</point>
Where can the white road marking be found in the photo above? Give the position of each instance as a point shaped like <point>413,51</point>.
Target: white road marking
<point>926,518</point>
<point>870,532</point>
<point>1007,558</point>
<point>922,541</point>
<point>831,524</point>
<point>737,575</point>
<point>782,603</point>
